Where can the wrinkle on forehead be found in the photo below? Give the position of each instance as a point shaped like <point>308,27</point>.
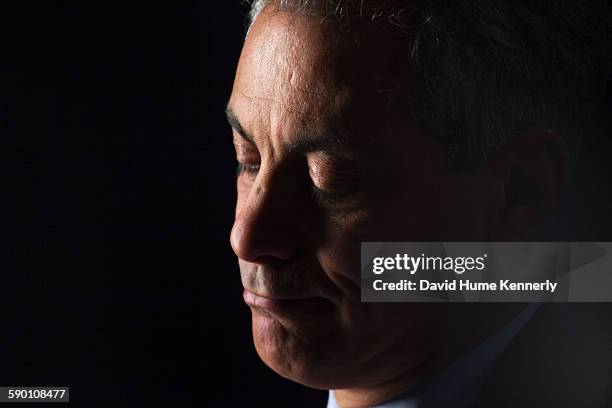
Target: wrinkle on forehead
<point>286,59</point>
<point>300,75</point>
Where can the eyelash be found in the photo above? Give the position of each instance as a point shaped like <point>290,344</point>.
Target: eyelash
<point>246,168</point>
<point>325,197</point>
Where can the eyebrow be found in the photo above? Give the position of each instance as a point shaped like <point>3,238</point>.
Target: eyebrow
<point>233,121</point>
<point>329,144</point>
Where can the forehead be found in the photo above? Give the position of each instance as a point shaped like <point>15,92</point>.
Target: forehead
<point>301,72</point>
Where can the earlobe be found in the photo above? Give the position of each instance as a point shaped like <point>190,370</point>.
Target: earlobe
<point>534,170</point>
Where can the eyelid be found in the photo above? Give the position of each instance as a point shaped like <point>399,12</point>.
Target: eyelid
<point>347,190</point>
<point>244,146</point>
<point>247,156</point>
<point>339,171</point>
<point>237,139</point>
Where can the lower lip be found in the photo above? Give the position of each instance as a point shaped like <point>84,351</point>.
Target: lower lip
<point>278,305</point>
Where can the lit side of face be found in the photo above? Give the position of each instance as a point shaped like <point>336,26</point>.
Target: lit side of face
<point>324,164</point>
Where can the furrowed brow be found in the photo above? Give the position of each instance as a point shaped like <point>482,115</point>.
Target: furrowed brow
<point>334,146</point>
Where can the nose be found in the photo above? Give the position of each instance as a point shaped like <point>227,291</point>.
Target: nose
<point>266,224</point>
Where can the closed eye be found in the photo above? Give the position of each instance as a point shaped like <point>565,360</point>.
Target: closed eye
<point>246,168</point>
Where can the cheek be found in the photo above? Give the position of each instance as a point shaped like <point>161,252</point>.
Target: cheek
<point>340,251</point>
<point>415,212</point>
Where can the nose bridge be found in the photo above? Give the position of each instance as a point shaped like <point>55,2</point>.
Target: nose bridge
<point>270,198</point>
<point>257,204</point>
<point>267,218</point>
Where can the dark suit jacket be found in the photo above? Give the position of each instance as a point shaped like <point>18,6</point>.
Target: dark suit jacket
<point>561,358</point>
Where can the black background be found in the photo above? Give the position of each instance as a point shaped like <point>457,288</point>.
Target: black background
<point>117,276</point>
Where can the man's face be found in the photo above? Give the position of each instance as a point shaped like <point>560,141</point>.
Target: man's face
<point>327,161</point>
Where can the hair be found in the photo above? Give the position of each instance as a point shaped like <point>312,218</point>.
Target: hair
<point>488,70</point>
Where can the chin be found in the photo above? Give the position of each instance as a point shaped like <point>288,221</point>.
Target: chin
<point>307,358</point>
<point>318,352</point>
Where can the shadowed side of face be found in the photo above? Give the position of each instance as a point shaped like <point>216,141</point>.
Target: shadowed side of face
<point>326,161</point>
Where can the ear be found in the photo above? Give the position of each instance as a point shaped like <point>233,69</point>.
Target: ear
<point>534,172</point>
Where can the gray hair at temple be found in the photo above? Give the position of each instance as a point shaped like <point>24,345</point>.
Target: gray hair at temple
<point>489,70</point>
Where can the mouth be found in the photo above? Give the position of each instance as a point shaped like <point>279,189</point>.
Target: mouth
<point>282,304</point>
